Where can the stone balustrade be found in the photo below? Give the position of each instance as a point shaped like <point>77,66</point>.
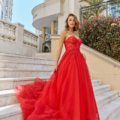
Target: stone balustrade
<point>15,39</point>
<point>30,39</point>
<point>7,31</point>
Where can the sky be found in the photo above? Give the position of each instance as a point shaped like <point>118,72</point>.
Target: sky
<point>22,12</point>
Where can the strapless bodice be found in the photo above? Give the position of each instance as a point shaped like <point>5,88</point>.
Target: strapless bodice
<point>72,43</point>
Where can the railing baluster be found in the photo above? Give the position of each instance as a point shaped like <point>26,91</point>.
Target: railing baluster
<point>30,39</point>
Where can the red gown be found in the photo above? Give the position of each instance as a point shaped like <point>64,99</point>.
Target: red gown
<point>67,95</point>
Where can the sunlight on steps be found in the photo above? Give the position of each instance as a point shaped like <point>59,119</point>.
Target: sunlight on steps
<point>108,101</point>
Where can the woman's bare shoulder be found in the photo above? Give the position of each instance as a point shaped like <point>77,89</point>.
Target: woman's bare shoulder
<point>63,33</point>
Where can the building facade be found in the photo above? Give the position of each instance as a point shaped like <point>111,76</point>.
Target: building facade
<point>6,7</point>
<point>49,16</point>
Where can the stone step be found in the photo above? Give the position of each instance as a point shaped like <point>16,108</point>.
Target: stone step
<point>107,112</point>
<point>101,89</point>
<point>105,98</point>
<point>11,112</point>
<point>7,97</point>
<point>15,73</point>
<point>11,83</point>
<point>110,110</point>
<point>95,82</point>
<point>26,65</point>
<point>43,55</point>
<point>11,57</point>
<point>117,117</point>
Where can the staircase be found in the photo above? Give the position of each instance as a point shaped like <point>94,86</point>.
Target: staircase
<point>16,70</point>
<point>13,66</point>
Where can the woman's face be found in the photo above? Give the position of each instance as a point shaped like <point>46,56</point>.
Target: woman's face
<point>71,21</point>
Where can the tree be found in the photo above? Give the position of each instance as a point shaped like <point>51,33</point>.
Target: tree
<point>96,8</point>
<point>93,12</point>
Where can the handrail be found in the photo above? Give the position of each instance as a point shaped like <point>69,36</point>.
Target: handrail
<point>105,3</point>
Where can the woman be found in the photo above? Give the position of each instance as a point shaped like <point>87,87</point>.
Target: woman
<point>68,94</point>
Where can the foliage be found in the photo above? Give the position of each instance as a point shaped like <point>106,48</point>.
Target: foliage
<point>96,8</point>
<point>102,34</point>
<point>93,12</point>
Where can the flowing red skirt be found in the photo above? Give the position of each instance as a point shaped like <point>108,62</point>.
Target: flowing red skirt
<point>67,95</point>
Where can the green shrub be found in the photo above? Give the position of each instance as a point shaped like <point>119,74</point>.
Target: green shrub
<point>102,34</point>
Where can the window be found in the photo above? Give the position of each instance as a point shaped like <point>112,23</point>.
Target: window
<point>2,13</point>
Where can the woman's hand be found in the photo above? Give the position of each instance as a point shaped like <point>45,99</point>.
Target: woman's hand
<point>55,67</point>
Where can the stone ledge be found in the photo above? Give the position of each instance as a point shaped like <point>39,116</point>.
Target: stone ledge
<point>19,56</point>
<point>23,62</point>
<point>21,79</point>
<point>9,110</point>
<point>12,69</point>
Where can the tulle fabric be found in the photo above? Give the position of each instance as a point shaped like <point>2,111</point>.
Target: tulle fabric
<point>67,95</point>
